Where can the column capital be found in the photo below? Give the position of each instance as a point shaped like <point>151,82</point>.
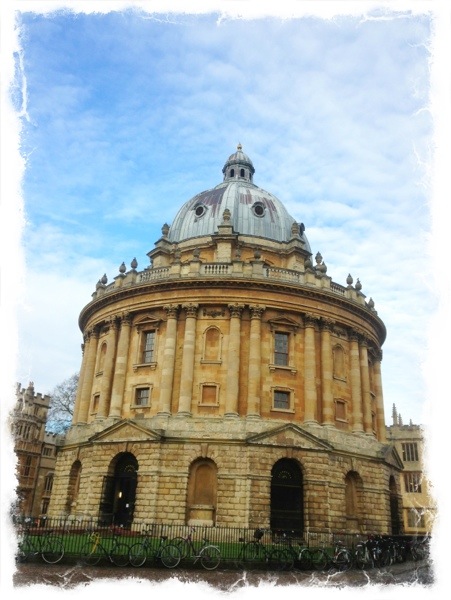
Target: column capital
<point>311,320</point>
<point>355,335</point>
<point>171,310</point>
<point>257,311</point>
<point>190,309</point>
<point>327,324</point>
<point>236,310</point>
<point>92,332</point>
<point>126,318</point>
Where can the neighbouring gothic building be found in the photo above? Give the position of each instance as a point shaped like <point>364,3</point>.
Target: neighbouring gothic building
<point>231,382</point>
<point>35,450</point>
<point>418,506</point>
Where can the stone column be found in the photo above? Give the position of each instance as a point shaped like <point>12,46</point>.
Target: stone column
<point>356,384</point>
<point>327,373</point>
<point>80,382</point>
<point>254,375</point>
<point>233,361</point>
<point>366,395</point>
<point>167,369</point>
<point>108,370</point>
<point>187,372</point>
<point>310,395</point>
<point>117,395</point>
<point>92,339</point>
<point>380,414</point>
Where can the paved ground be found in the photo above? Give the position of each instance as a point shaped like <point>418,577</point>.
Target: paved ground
<point>71,576</point>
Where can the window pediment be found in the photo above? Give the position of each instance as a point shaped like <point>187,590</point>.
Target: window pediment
<point>284,323</point>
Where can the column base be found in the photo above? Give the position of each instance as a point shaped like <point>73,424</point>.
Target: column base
<point>233,415</point>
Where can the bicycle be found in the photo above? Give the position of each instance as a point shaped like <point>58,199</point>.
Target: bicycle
<point>294,558</point>
<point>208,554</point>
<point>169,554</point>
<point>372,553</point>
<point>255,552</point>
<point>46,544</point>
<point>420,549</point>
<point>111,548</point>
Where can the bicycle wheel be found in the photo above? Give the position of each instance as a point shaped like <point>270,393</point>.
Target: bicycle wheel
<point>210,557</point>
<point>53,550</point>
<point>119,555</point>
<point>276,559</point>
<point>90,554</point>
<point>170,556</point>
<point>288,559</point>
<point>25,550</point>
<point>343,560</point>
<point>319,559</point>
<point>362,559</point>
<point>385,558</point>
<point>182,545</point>
<point>251,551</point>
<point>137,555</point>
<point>305,560</point>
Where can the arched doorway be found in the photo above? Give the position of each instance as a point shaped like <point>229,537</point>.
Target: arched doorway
<point>287,497</point>
<point>119,491</point>
<point>396,524</point>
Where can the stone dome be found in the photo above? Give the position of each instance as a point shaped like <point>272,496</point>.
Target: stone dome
<point>253,210</point>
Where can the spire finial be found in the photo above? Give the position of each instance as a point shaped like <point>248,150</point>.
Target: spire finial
<point>239,147</point>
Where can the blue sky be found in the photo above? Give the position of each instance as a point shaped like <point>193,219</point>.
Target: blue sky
<point>127,114</point>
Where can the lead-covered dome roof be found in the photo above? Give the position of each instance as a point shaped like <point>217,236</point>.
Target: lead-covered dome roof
<point>253,211</point>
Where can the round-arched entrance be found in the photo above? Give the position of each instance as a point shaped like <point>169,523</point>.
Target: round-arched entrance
<point>287,497</point>
<point>119,491</point>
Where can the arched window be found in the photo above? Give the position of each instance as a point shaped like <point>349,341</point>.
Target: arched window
<point>73,488</point>
<point>48,483</point>
<point>242,172</point>
<point>353,500</point>
<point>339,362</point>
<point>202,493</point>
<point>212,344</point>
<point>102,355</point>
<point>232,172</point>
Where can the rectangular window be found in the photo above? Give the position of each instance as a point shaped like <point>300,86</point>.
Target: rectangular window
<point>142,396</point>
<point>95,403</point>
<point>412,482</point>
<point>27,468</point>
<point>282,400</point>
<point>410,452</point>
<point>209,394</point>
<point>281,349</point>
<point>48,451</point>
<point>148,347</point>
<point>340,410</point>
<point>415,518</point>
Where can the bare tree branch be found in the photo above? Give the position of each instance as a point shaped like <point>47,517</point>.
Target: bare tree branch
<point>62,400</point>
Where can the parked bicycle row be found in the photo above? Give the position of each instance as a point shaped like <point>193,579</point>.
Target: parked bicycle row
<point>209,547</point>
